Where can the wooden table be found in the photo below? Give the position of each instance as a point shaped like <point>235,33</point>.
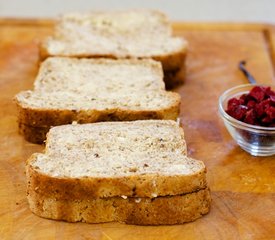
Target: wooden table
<point>242,186</point>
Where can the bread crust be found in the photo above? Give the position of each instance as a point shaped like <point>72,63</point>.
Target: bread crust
<point>165,210</point>
<point>33,134</point>
<point>147,185</point>
<point>38,117</point>
<point>35,122</point>
<point>175,78</point>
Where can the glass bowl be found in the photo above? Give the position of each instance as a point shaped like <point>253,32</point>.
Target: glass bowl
<point>256,140</point>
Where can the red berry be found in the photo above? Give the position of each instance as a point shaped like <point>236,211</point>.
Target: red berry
<point>257,107</point>
<point>232,103</point>
<point>271,113</point>
<point>251,104</point>
<point>250,117</point>
<point>258,93</point>
<point>240,112</point>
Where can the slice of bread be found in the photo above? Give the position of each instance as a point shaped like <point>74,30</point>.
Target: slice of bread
<point>92,90</point>
<point>101,164</point>
<point>139,158</point>
<point>117,34</point>
<point>139,211</point>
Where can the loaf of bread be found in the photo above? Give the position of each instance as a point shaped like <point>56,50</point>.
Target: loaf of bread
<point>92,90</point>
<point>134,172</point>
<point>119,34</point>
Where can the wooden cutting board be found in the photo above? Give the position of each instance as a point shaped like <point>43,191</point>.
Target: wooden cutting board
<point>242,186</point>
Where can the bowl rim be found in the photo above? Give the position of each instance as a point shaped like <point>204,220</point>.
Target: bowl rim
<point>238,123</point>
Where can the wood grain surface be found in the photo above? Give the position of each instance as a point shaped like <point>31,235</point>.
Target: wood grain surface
<point>243,187</point>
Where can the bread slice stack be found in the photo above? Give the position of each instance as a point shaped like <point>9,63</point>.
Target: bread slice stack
<point>120,34</point>
<point>132,172</point>
<point>95,96</point>
<point>93,90</point>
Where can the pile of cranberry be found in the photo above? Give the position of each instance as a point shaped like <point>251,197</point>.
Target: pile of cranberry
<point>256,107</point>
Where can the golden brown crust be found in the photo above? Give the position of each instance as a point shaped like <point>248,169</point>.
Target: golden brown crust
<point>140,211</point>
<point>43,53</point>
<point>175,78</point>
<point>33,134</point>
<point>37,117</point>
<point>35,122</point>
<point>148,185</point>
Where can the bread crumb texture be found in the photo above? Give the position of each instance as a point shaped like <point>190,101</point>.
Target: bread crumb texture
<point>121,34</point>
<point>101,84</point>
<point>116,149</point>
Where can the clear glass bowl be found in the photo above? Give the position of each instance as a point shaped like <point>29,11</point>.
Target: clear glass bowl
<point>256,140</point>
